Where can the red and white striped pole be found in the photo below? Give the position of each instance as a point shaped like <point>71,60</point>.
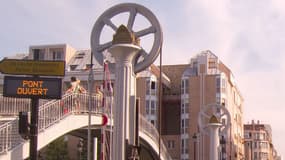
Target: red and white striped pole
<point>107,91</point>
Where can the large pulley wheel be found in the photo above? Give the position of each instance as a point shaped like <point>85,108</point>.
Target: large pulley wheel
<point>145,58</point>
<point>220,112</point>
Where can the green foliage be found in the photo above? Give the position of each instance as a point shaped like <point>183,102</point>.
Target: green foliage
<point>57,150</point>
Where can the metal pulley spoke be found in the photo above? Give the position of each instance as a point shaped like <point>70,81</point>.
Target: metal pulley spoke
<point>109,23</point>
<point>133,13</point>
<point>104,46</point>
<point>143,53</point>
<point>217,110</point>
<point>145,31</point>
<point>205,115</point>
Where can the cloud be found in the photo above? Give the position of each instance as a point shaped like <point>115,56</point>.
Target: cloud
<point>43,22</point>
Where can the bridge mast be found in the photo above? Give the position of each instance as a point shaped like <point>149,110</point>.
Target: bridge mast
<point>130,58</point>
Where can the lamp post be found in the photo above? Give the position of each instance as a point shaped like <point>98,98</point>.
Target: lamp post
<point>214,125</point>
<point>223,146</point>
<point>209,121</point>
<point>124,50</point>
<point>80,148</point>
<point>194,137</point>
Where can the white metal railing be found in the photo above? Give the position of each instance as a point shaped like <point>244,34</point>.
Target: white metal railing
<point>9,137</point>
<point>49,113</point>
<point>12,106</point>
<point>53,111</point>
<point>150,130</point>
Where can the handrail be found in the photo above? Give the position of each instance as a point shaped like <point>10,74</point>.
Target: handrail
<point>49,113</point>
<point>149,129</point>
<point>10,106</point>
<point>53,111</point>
<point>9,137</point>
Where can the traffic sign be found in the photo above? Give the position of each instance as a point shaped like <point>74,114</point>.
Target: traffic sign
<point>104,119</point>
<point>32,87</point>
<point>32,67</point>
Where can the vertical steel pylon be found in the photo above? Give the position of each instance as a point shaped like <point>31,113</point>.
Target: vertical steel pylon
<point>130,58</point>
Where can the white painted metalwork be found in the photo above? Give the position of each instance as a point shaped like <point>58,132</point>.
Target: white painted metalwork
<point>147,128</point>
<point>130,59</point>
<point>214,119</point>
<point>55,111</point>
<point>218,111</point>
<point>49,113</point>
<point>133,10</point>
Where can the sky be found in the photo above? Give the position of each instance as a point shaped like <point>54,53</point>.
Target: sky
<point>247,36</point>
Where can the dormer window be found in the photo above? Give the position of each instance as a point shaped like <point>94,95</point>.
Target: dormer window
<point>80,55</point>
<point>73,67</point>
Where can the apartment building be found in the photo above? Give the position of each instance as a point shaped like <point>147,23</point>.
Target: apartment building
<point>258,142</point>
<point>206,80</point>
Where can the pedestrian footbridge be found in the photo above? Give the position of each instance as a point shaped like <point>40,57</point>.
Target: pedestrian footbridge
<point>59,117</point>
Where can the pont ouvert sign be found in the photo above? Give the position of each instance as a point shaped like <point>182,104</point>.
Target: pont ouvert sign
<point>32,87</point>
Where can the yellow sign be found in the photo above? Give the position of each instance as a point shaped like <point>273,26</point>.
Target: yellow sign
<point>32,67</point>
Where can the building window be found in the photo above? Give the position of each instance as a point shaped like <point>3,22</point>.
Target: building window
<point>182,107</point>
<point>255,155</point>
<point>147,87</point>
<point>170,144</point>
<point>147,107</point>
<point>185,86</point>
<point>88,67</point>
<point>184,146</point>
<point>224,101</point>
<point>57,55</point>
<point>184,125</point>
<point>186,105</point>
<point>39,54</point>
<point>212,64</point>
<point>152,86</point>
<point>255,144</point>
<point>224,86</point>
<point>152,107</point>
<point>73,67</point>
<point>152,122</point>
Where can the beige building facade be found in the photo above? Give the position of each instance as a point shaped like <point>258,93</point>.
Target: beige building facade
<point>206,80</point>
<point>213,82</point>
<point>258,142</point>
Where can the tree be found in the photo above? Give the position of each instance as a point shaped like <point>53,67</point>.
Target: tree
<point>57,150</point>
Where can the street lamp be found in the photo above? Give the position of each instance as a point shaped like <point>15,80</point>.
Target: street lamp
<point>80,148</point>
<point>194,137</point>
<point>223,146</point>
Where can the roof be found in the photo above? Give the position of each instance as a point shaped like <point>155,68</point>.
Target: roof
<point>81,60</point>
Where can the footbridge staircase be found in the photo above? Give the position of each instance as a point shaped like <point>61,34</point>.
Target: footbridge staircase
<point>57,118</point>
